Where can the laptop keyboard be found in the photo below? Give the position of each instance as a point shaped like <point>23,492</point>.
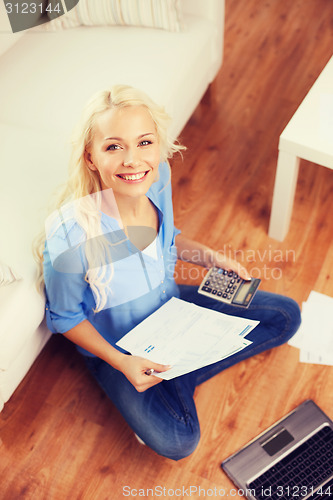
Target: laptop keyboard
<point>301,472</point>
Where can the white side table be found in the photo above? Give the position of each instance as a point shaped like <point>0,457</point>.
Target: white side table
<point>309,136</point>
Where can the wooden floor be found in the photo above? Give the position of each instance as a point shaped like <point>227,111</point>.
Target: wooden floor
<point>60,437</point>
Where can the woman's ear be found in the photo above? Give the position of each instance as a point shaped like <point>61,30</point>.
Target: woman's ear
<point>88,160</point>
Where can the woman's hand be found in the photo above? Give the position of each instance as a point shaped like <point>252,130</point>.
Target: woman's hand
<point>197,253</point>
<point>134,368</point>
<point>220,260</point>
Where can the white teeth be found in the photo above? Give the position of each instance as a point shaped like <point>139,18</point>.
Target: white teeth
<point>133,177</point>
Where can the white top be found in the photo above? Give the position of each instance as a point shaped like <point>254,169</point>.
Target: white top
<point>309,133</point>
<point>151,249</point>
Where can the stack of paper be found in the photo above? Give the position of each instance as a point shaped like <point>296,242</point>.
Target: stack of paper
<point>187,337</point>
<point>315,335</point>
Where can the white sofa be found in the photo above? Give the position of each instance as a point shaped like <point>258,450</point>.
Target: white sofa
<point>46,77</point>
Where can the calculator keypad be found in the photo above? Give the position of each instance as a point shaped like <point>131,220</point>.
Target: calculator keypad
<point>221,284</point>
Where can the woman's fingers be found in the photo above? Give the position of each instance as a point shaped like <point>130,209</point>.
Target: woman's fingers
<point>232,265</point>
<point>140,372</point>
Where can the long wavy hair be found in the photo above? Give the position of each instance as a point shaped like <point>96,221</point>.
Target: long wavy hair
<point>82,181</point>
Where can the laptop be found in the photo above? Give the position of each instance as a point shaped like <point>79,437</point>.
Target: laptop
<point>293,459</point>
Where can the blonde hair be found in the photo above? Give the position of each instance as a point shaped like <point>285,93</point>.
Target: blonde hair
<point>83,181</point>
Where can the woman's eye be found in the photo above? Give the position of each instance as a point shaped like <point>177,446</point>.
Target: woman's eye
<point>145,143</point>
<point>113,147</point>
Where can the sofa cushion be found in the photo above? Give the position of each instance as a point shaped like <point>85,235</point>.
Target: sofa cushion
<point>163,14</point>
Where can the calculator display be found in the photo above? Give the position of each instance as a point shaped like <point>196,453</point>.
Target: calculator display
<point>242,292</point>
<point>228,287</point>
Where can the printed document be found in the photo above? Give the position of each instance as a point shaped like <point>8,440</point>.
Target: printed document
<point>187,337</point>
<point>315,335</point>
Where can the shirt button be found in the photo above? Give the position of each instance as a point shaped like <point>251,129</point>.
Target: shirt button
<point>162,281</point>
<point>163,291</point>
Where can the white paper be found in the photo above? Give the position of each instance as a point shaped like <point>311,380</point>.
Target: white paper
<point>187,337</point>
<point>315,358</point>
<point>315,335</point>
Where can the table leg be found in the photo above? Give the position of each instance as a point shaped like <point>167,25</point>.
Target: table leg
<point>283,196</point>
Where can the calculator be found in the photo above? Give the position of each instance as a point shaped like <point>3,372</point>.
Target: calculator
<point>228,287</point>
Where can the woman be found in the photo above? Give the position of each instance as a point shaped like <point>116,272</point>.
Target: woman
<point>109,260</point>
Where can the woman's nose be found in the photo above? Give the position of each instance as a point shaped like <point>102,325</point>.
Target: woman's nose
<point>131,159</point>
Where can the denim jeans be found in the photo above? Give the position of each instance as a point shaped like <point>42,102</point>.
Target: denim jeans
<point>165,416</point>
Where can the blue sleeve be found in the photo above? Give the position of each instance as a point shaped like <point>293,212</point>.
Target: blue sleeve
<point>65,285</point>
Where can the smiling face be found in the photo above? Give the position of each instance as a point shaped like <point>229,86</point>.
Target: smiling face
<point>125,151</point>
